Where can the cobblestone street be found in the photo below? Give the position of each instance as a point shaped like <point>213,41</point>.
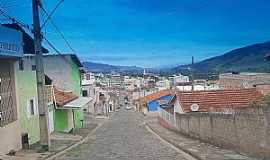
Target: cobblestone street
<point>123,137</point>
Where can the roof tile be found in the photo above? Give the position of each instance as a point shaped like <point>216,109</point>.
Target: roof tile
<point>156,95</point>
<point>63,98</point>
<point>206,100</point>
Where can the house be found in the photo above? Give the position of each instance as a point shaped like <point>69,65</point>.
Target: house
<point>10,51</point>
<point>65,72</point>
<point>68,112</point>
<point>179,79</point>
<point>27,96</point>
<point>151,101</point>
<point>26,90</point>
<point>88,90</point>
<point>26,86</point>
<point>214,100</point>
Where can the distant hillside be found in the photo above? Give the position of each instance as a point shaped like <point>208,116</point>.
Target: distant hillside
<point>106,68</point>
<point>246,59</point>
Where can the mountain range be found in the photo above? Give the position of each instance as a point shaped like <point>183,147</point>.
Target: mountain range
<point>246,59</point>
<point>107,68</point>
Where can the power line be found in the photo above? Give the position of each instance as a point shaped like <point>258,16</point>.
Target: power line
<point>57,29</point>
<point>14,20</point>
<point>52,12</point>
<point>56,50</point>
<point>52,46</point>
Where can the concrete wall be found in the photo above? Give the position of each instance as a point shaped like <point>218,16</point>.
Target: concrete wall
<point>64,72</point>
<point>246,131</point>
<point>10,137</point>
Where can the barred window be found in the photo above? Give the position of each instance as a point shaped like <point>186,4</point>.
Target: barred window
<point>7,95</point>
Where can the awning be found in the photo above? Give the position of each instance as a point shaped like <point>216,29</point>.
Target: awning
<point>77,103</point>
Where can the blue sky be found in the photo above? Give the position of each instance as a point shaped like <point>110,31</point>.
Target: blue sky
<point>152,33</point>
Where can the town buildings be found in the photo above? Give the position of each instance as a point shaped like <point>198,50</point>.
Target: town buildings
<point>179,79</point>
<point>243,79</point>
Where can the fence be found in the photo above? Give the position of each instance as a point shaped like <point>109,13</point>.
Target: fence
<point>245,131</point>
<point>166,116</point>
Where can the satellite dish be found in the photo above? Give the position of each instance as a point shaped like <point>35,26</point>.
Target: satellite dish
<point>194,107</point>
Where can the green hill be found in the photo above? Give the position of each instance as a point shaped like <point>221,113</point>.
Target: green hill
<point>245,59</point>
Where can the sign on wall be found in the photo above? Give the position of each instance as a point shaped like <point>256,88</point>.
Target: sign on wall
<point>10,42</point>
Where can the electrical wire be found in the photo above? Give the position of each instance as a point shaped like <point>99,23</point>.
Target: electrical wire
<point>57,29</point>
<point>52,12</point>
<point>14,20</point>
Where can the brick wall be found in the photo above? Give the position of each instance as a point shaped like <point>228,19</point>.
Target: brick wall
<point>246,131</point>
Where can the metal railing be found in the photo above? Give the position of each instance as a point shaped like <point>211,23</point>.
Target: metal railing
<point>168,117</point>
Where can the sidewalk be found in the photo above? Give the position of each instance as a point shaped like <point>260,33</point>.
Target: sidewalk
<point>59,142</point>
<point>196,148</point>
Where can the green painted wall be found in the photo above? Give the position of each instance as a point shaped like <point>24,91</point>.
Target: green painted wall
<point>61,120</point>
<point>61,116</point>
<point>26,89</point>
<point>76,78</point>
<point>77,117</point>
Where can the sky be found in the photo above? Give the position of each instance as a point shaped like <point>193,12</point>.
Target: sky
<point>151,33</point>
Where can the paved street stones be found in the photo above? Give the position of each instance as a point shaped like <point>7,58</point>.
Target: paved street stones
<point>123,137</point>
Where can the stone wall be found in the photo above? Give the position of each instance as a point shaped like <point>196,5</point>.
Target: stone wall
<point>245,131</point>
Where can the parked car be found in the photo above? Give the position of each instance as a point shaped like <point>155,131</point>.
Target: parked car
<point>128,107</point>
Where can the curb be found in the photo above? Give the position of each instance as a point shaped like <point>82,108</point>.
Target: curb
<point>51,157</point>
<point>186,151</point>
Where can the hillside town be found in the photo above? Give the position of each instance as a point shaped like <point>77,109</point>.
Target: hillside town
<point>228,112</point>
<point>52,107</point>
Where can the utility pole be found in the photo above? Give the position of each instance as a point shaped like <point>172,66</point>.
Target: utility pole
<point>42,106</point>
<point>191,74</point>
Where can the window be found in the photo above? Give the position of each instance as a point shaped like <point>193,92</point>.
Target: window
<point>34,67</point>
<point>7,99</point>
<point>21,65</point>
<point>84,93</point>
<point>88,77</point>
<point>31,108</point>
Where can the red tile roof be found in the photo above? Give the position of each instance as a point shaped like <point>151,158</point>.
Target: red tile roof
<point>156,95</point>
<point>63,98</point>
<point>218,99</point>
